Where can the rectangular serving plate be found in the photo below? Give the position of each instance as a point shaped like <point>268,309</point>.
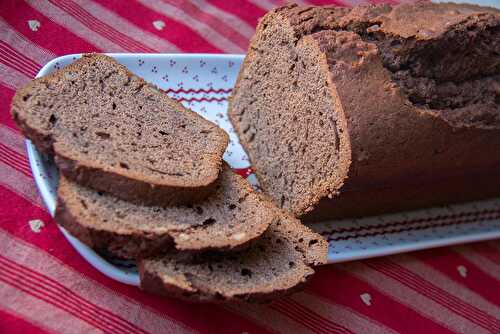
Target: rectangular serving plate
<point>203,82</point>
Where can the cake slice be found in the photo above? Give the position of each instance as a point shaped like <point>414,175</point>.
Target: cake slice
<point>112,131</point>
<point>352,112</point>
<point>275,264</point>
<point>231,217</point>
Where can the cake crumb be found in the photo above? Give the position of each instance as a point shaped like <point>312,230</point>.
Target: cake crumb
<point>36,225</point>
<point>239,236</point>
<point>366,298</point>
<point>462,270</point>
<point>183,237</point>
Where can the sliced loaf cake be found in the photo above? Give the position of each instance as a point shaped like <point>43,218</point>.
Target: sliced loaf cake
<point>112,131</point>
<point>231,217</point>
<point>349,112</point>
<point>277,263</point>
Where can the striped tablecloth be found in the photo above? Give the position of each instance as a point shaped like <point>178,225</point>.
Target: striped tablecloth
<point>45,286</point>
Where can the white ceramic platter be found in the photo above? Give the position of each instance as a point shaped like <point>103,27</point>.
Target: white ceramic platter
<point>491,3</point>
<point>202,83</point>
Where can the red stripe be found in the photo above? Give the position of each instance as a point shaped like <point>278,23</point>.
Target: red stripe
<point>487,251</point>
<point>304,316</point>
<point>246,11</point>
<point>377,2</point>
<point>18,157</point>
<point>326,324</point>
<point>438,295</point>
<point>298,317</point>
<point>50,35</point>
<point>17,164</point>
<point>345,289</point>
<point>213,22</point>
<point>10,323</point>
<point>446,262</point>
<point>199,317</point>
<point>98,26</point>
<point>6,95</point>
<point>101,27</point>
<point>11,163</point>
<point>68,297</point>
<point>18,61</point>
<point>11,62</point>
<point>31,64</point>
<point>175,32</point>
<point>338,3</point>
<point>10,277</point>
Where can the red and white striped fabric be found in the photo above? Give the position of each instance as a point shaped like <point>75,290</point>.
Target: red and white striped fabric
<point>45,286</point>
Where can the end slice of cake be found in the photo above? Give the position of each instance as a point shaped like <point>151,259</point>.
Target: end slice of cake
<point>276,264</point>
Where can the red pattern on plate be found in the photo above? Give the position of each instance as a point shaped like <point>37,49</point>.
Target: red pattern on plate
<point>198,91</point>
<point>408,225</point>
<point>45,286</point>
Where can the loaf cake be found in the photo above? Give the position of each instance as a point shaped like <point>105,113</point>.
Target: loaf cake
<point>350,112</point>
<point>276,264</point>
<point>230,218</point>
<point>113,132</point>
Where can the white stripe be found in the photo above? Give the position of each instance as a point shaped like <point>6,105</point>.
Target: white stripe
<point>422,305</point>
<point>12,78</point>
<point>9,58</point>
<point>122,25</point>
<point>229,19</point>
<point>41,313</point>
<point>445,283</point>
<point>486,265</point>
<point>340,314</point>
<point>106,31</point>
<point>301,2</point>
<point>60,17</point>
<point>18,163</point>
<point>264,4</point>
<point>12,139</point>
<point>33,322</point>
<point>51,292</point>
<point>209,34</point>
<point>19,183</point>
<point>268,318</point>
<point>38,260</point>
<point>413,1</point>
<point>24,46</point>
<point>353,3</point>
